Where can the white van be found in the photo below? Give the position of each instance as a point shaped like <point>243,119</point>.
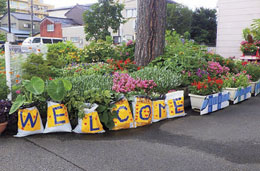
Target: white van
<point>35,44</point>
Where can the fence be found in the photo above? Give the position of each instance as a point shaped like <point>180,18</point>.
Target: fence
<point>14,57</point>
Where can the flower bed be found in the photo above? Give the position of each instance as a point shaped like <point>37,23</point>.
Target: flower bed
<point>111,93</point>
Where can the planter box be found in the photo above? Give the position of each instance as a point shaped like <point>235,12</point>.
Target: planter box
<point>209,103</point>
<point>255,88</point>
<point>239,94</point>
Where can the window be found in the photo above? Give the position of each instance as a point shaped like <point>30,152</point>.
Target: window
<point>116,39</point>
<point>36,40</point>
<point>56,40</point>
<point>13,4</point>
<point>64,39</point>
<point>4,25</point>
<point>23,5</point>
<point>131,13</point>
<point>46,41</point>
<point>74,39</point>
<point>26,25</point>
<point>50,27</point>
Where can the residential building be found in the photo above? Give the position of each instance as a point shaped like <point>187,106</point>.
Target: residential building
<point>59,12</point>
<point>20,24</point>
<point>74,12</point>
<point>24,6</point>
<point>75,34</point>
<point>233,17</point>
<point>69,24</point>
<point>127,31</point>
<point>52,26</point>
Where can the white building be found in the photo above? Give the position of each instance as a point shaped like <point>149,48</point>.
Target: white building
<point>233,17</point>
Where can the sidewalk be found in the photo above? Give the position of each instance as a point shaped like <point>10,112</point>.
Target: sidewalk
<point>225,140</point>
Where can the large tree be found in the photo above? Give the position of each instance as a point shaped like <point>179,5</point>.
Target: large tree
<point>178,18</point>
<point>151,23</point>
<point>204,26</point>
<point>104,15</point>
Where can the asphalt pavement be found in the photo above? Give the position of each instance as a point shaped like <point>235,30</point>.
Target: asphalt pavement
<point>227,140</point>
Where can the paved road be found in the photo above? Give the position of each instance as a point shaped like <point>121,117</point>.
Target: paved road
<point>223,141</point>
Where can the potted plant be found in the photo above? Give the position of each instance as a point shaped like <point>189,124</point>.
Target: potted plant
<point>248,48</point>
<point>57,90</point>
<point>238,85</point>
<point>29,119</point>
<point>4,113</point>
<point>5,105</point>
<point>253,69</point>
<point>206,96</point>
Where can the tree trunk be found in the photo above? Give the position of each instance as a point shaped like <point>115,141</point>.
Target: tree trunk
<point>151,23</point>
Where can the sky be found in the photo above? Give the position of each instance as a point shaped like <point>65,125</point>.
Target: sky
<point>190,3</point>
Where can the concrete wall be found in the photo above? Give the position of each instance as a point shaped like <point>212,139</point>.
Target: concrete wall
<point>57,29</point>
<point>233,17</point>
<point>75,31</point>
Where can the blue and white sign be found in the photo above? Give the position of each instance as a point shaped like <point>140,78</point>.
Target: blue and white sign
<point>257,88</point>
<point>242,94</point>
<point>215,102</point>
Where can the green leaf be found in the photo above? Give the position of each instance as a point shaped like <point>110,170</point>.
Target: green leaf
<point>110,125</point>
<point>56,90</point>
<point>101,108</point>
<point>105,118</point>
<point>67,84</point>
<point>35,86</point>
<point>17,104</point>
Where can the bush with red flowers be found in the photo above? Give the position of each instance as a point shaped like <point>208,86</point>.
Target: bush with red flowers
<point>207,86</point>
<point>121,65</point>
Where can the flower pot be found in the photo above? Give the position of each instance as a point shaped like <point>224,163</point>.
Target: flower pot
<point>209,103</point>
<point>255,87</point>
<point>3,127</point>
<point>239,94</point>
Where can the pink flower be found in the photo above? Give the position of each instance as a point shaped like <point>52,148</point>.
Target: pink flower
<point>18,92</point>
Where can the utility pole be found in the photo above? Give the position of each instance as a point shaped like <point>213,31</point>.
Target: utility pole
<point>32,18</point>
<point>9,15</point>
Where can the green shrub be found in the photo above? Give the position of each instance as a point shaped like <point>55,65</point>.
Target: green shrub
<point>35,65</point>
<point>165,79</point>
<point>4,90</point>
<point>61,53</point>
<point>98,51</point>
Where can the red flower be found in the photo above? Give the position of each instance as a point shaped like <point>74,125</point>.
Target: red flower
<point>50,78</point>
<point>138,68</point>
<point>244,63</point>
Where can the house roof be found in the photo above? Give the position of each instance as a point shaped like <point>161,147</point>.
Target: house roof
<point>15,31</point>
<point>70,7</point>
<point>64,21</point>
<point>23,16</point>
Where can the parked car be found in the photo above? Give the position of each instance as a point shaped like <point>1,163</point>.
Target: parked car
<point>34,43</point>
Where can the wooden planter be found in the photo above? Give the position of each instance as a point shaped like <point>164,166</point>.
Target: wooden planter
<point>239,94</point>
<point>209,103</point>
